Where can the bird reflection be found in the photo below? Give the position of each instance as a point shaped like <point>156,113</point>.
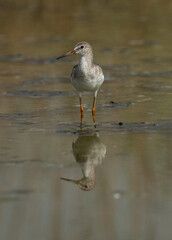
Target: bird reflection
<point>89,152</point>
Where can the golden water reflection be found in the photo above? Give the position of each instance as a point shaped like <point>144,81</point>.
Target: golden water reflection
<point>89,152</point>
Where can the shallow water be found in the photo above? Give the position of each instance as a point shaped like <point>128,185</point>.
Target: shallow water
<point>41,141</point>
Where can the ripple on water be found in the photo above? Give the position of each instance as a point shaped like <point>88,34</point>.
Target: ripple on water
<point>39,94</point>
<point>112,127</point>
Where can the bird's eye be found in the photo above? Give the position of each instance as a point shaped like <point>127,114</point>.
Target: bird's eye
<point>86,186</point>
<point>82,47</point>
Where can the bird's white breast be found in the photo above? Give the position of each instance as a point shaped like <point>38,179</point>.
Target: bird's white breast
<point>87,76</point>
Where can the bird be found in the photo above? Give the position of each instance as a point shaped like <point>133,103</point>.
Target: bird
<point>89,152</point>
<point>86,76</point>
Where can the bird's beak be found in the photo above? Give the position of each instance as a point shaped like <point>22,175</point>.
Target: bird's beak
<point>70,180</point>
<point>67,54</point>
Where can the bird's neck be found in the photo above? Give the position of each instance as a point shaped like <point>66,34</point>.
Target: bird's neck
<point>86,62</point>
<point>88,170</point>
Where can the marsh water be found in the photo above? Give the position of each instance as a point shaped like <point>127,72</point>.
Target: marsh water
<point>128,156</point>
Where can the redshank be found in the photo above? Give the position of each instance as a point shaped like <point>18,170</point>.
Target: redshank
<point>86,76</point>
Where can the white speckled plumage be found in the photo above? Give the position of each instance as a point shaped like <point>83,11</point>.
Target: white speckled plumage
<point>86,76</point>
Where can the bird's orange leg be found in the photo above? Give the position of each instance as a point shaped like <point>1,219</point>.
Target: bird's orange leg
<point>93,111</point>
<point>82,110</point>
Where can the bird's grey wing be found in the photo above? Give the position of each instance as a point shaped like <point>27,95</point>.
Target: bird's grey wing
<point>73,71</point>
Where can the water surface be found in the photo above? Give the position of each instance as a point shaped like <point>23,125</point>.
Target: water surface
<point>39,121</point>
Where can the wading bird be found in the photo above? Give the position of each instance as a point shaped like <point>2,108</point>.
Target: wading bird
<point>86,76</point>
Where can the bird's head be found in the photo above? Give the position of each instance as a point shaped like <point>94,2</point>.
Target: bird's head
<point>81,49</point>
<point>85,184</point>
